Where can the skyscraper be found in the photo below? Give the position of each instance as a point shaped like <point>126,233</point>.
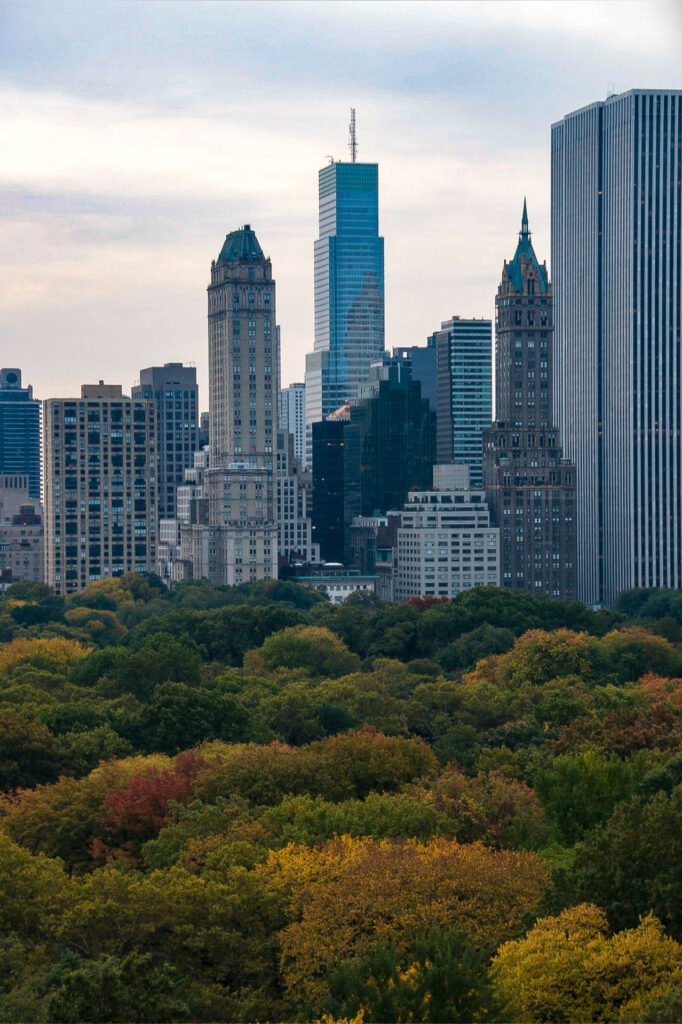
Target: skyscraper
<point>100,487</point>
<point>617,262</point>
<point>349,287</point>
<point>173,388</point>
<point>243,392</point>
<point>292,417</point>
<point>328,484</point>
<point>464,392</point>
<point>529,485</point>
<point>19,430</point>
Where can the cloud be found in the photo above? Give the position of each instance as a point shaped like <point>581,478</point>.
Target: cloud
<point>135,135</point>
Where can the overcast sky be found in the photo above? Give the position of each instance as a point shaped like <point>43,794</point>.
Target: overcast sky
<point>135,135</point>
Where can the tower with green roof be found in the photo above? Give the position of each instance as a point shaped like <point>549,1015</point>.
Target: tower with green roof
<point>236,539</point>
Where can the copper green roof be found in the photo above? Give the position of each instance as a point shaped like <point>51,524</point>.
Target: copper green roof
<point>525,248</point>
<point>241,245</point>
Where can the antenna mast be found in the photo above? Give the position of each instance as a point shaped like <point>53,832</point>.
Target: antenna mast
<point>352,143</point>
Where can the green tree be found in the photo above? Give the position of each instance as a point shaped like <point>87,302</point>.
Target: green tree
<point>29,753</point>
<point>130,988</point>
<point>578,791</point>
<point>442,978</point>
<point>313,648</point>
<point>631,864</point>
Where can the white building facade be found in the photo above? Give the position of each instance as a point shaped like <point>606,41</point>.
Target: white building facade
<point>445,541</point>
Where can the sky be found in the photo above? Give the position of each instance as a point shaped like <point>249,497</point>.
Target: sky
<point>135,135</point>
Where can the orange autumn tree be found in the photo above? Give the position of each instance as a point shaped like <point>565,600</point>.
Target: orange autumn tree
<point>348,893</point>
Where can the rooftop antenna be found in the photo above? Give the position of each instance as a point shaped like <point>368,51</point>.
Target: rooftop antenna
<point>352,143</point>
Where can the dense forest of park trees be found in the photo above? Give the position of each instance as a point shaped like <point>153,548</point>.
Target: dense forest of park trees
<point>225,804</point>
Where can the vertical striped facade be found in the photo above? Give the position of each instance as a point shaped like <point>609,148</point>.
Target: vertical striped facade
<point>616,262</point>
<point>464,392</point>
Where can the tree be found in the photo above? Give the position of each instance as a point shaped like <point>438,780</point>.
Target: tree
<point>178,717</point>
<point>29,753</point>
<point>138,811</point>
<point>53,654</point>
<point>502,813</point>
<point>63,819</point>
<point>345,895</point>
<point>568,969</point>
<point>478,643</point>
<point>80,752</point>
<point>630,865</point>
<point>442,977</point>
<point>313,648</point>
<point>578,791</point>
<point>129,988</point>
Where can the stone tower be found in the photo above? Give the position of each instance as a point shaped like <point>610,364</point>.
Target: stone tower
<point>529,485</point>
<point>241,527</point>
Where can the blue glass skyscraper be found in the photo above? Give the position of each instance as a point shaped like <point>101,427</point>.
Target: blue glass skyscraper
<point>19,429</point>
<point>349,288</point>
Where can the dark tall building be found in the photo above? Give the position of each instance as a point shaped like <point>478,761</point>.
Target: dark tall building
<point>372,451</point>
<point>173,388</point>
<point>19,430</point>
<point>422,362</point>
<point>328,485</point>
<point>100,487</point>
<point>390,444</point>
<point>529,486</point>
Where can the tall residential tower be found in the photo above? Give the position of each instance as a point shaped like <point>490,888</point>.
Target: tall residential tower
<point>617,265</point>
<point>100,487</point>
<point>173,387</point>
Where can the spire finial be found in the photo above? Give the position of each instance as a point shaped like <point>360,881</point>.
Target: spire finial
<point>352,143</point>
<point>524,219</point>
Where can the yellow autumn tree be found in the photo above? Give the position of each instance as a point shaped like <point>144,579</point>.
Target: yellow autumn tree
<point>52,654</point>
<point>351,892</point>
<point>568,968</point>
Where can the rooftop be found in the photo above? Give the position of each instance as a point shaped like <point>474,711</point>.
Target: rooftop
<point>241,245</point>
<point>524,250</point>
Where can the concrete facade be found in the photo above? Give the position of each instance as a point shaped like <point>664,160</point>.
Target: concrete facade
<point>100,486</point>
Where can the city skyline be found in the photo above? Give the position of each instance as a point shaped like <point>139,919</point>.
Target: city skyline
<point>104,210</point>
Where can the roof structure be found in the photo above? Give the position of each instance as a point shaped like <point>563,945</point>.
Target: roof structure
<point>342,413</point>
<point>525,249</point>
<point>241,245</point>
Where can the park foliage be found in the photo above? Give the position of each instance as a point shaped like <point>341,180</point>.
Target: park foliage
<point>246,803</point>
